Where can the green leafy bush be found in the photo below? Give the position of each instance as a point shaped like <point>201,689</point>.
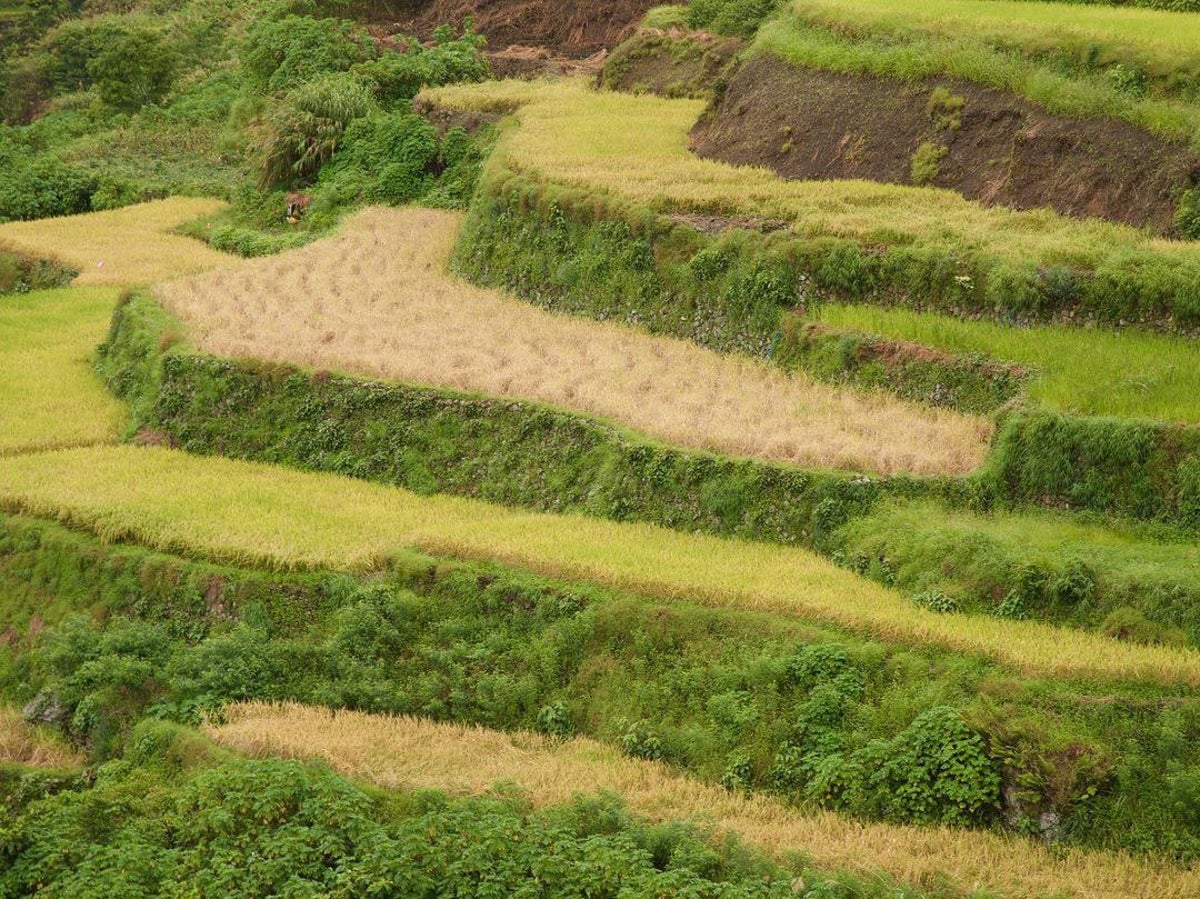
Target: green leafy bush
<point>282,53</point>
<point>43,187</point>
<point>282,828</point>
<point>937,771</point>
<point>133,68</point>
<point>396,77</point>
<point>390,157</point>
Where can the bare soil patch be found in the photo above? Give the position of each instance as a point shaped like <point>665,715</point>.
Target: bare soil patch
<point>994,147</point>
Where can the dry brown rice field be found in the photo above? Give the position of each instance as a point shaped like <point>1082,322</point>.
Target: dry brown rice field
<point>376,300</point>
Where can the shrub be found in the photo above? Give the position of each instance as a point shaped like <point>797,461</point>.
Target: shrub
<point>641,742</point>
<point>393,155</point>
<point>42,188</point>
<point>555,720</point>
<point>737,17</point>
<point>133,68</point>
<point>396,77</point>
<point>937,771</point>
<point>936,601</point>
<point>282,53</point>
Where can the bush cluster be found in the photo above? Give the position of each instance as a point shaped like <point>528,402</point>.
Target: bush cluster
<point>247,828</point>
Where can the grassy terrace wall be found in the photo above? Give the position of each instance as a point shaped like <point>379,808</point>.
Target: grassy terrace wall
<point>736,291</point>
<point>440,441</point>
<point>750,700</point>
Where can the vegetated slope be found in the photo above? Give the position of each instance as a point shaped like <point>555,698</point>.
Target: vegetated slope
<point>133,245</point>
<point>376,300</point>
<point>287,519</point>
<point>568,27</point>
<point>986,144</point>
<point>402,752</point>
<point>49,395</point>
<point>1082,371</point>
<point>635,148</point>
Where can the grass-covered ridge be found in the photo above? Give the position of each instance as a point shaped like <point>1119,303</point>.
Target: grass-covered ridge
<point>403,318</point>
<point>1125,374</point>
<point>49,395</point>
<point>1135,64</point>
<point>924,246</point>
<point>290,519</point>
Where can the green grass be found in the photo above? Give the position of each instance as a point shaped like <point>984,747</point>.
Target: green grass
<point>1127,374</point>
<point>1139,65</point>
<point>1142,584</point>
<point>49,395</point>
<point>256,514</point>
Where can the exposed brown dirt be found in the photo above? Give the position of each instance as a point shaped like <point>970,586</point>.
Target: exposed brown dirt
<point>673,63</point>
<point>999,148</point>
<point>570,28</point>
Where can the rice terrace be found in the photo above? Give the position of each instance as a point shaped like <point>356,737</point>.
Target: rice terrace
<point>479,448</point>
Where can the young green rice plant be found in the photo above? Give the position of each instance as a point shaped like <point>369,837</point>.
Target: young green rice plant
<point>1127,374</point>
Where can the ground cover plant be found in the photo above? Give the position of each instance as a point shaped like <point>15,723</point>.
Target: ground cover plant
<point>175,502</point>
<point>1125,374</point>
<point>49,394</point>
<point>134,245</point>
<point>400,316</point>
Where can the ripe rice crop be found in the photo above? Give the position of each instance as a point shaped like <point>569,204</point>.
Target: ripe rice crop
<point>404,752</point>
<point>122,247</point>
<point>376,300</point>
<point>256,514</point>
<point>636,148</point>
<point>1130,374</point>
<point>49,395</point>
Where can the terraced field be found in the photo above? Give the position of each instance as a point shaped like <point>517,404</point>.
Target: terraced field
<point>376,301</point>
<point>406,752</point>
<point>635,147</point>
<point>49,395</point>
<point>134,245</point>
<point>382,523</point>
<point>1087,372</point>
